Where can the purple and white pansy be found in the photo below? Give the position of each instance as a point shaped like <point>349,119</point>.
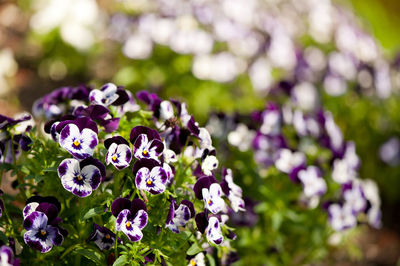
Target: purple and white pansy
<point>313,183</point>
<point>78,137</point>
<point>151,176</point>
<point>81,177</point>
<point>290,163</point>
<point>209,164</point>
<point>105,96</point>
<point>103,237</point>
<point>131,217</point>
<point>146,143</point>
<point>42,223</point>
<point>119,153</point>
<point>179,215</point>
<point>341,217</point>
<point>233,191</point>
<point>211,226</point>
<point>7,257</point>
<point>210,191</point>
<point>353,196</point>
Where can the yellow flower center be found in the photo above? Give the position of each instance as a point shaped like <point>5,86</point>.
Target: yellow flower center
<point>192,262</point>
<point>43,232</point>
<point>76,143</point>
<point>128,224</point>
<point>108,236</point>
<point>145,152</point>
<point>209,202</point>
<point>114,158</point>
<point>149,182</point>
<point>79,177</point>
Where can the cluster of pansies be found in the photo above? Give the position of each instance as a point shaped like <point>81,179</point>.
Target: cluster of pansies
<point>272,132</point>
<point>167,164</point>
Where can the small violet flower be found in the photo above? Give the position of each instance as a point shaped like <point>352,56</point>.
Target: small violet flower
<point>179,215</point>
<point>146,143</point>
<point>131,217</point>
<point>210,191</point>
<point>354,197</point>
<point>103,237</point>
<point>209,163</point>
<point>290,163</point>
<point>198,260</point>
<point>119,153</point>
<point>313,183</point>
<point>150,176</point>
<point>81,178</point>
<point>78,137</point>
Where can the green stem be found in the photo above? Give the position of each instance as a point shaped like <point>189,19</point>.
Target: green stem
<point>19,177</point>
<point>116,245</point>
<point>4,161</point>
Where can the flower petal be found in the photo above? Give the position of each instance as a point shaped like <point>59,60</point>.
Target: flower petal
<point>35,220</point>
<point>140,219</point>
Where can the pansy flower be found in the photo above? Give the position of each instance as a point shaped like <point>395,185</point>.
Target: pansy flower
<point>166,110</point>
<point>341,217</point>
<point>103,237</point>
<point>78,137</point>
<point>233,191</point>
<point>7,257</point>
<point>150,176</point>
<point>81,178</point>
<point>198,260</point>
<point>313,183</point>
<point>209,164</point>
<point>131,217</point>
<point>146,143</point>
<point>179,215</point>
<point>271,120</point>
<point>353,195</point>
<point>105,96</point>
<point>100,114</point>
<point>290,163</point>
<point>40,235</point>
<point>211,226</point>
<point>42,223</point>
<point>210,191</point>
<point>119,153</point>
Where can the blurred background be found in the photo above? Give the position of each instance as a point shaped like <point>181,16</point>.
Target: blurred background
<point>226,56</point>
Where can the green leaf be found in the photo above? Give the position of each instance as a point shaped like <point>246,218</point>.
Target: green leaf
<point>210,260</point>
<point>3,237</point>
<point>92,255</point>
<point>50,169</point>
<point>86,214</point>
<point>122,260</point>
<point>194,249</point>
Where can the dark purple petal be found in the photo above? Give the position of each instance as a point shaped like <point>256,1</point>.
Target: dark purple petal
<point>116,139</point>
<point>171,212</point>
<point>40,199</point>
<point>148,163</point>
<point>138,130</point>
<point>110,125</point>
<point>123,97</point>
<point>158,146</point>
<point>136,205</point>
<point>49,209</point>
<point>203,182</point>
<point>190,205</point>
<point>201,221</point>
<point>193,128</point>
<point>120,204</point>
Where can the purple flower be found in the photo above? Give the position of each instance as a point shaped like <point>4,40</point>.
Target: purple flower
<point>78,137</point>
<point>119,153</point>
<point>290,163</point>
<point>211,226</point>
<point>341,217</point>
<point>40,235</point>
<point>271,120</point>
<point>150,176</point>
<point>353,195</point>
<point>233,191</point>
<point>81,178</point>
<point>100,114</point>
<point>103,237</point>
<point>146,143</point>
<point>313,183</point>
<point>129,106</point>
<point>7,257</point>
<point>131,217</point>
<point>105,96</point>
<point>266,148</point>
<point>9,122</point>
<point>209,164</point>
<point>210,191</point>
<point>179,215</point>
<point>198,260</point>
